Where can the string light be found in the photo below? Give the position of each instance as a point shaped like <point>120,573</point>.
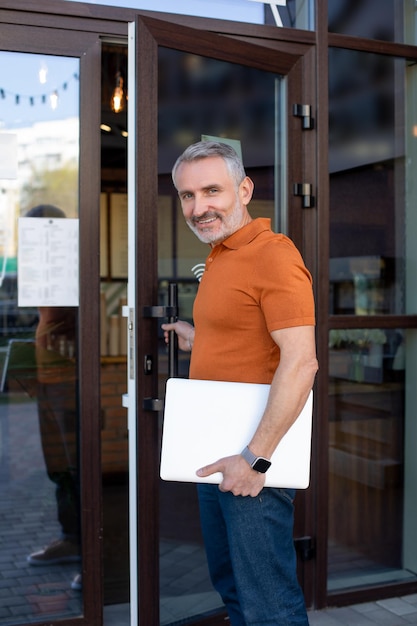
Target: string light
<point>43,73</point>
<point>117,101</point>
<point>53,97</point>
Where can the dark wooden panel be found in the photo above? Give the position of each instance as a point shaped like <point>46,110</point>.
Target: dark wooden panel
<point>207,44</point>
<point>89,190</point>
<point>146,328</point>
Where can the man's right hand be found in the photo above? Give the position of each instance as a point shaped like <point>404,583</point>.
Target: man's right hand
<point>185,333</point>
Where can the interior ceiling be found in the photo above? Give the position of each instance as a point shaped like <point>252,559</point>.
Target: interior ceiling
<point>113,142</point>
<point>196,95</point>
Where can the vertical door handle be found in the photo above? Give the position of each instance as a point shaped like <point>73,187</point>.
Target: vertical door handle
<point>171,313</point>
<point>173,339</point>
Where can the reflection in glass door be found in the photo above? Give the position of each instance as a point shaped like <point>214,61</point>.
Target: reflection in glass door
<point>40,542</point>
<point>372,282</point>
<point>202,96</point>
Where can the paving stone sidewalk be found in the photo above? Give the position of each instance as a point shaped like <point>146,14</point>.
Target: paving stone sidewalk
<point>391,612</point>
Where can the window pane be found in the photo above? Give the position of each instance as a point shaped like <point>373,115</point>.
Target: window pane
<point>372,371</point>
<point>39,477</point>
<point>371,418</point>
<point>387,20</point>
<point>367,183</point>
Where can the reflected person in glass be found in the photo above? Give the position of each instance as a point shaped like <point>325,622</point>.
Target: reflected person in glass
<point>57,401</point>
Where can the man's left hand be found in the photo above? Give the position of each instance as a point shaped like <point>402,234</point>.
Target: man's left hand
<point>238,476</point>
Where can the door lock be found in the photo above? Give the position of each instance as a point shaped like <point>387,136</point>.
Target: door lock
<point>148,364</point>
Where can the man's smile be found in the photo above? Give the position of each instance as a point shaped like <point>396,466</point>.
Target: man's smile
<point>205,219</point>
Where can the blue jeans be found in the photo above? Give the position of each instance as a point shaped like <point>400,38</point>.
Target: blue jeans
<point>251,555</point>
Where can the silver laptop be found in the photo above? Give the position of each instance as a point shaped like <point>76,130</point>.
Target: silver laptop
<point>207,420</point>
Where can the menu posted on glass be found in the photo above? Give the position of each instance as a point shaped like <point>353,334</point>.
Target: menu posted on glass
<point>48,262</point>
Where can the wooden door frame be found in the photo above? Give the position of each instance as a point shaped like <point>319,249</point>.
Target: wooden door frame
<point>151,33</point>
<point>312,51</point>
<point>85,47</point>
<point>283,51</point>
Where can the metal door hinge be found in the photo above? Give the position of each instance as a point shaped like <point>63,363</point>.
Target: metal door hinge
<point>305,190</point>
<point>303,111</point>
<point>305,547</point>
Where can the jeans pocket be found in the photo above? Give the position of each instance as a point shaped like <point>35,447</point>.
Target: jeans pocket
<point>287,494</point>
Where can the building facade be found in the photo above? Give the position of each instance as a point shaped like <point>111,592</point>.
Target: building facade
<point>96,103</point>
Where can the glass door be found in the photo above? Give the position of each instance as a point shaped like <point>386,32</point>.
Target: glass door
<point>190,85</point>
<point>204,97</point>
<point>372,337</point>
<point>49,516</point>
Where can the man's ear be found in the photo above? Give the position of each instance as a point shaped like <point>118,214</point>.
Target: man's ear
<point>246,190</point>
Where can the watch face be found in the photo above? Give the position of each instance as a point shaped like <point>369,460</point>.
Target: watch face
<point>261,465</point>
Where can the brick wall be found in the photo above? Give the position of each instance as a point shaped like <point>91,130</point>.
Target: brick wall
<point>114,434</point>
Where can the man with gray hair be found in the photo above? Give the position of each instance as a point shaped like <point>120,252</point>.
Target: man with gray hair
<point>253,322</point>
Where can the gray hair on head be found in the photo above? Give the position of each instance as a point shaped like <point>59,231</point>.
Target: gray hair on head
<point>207,149</point>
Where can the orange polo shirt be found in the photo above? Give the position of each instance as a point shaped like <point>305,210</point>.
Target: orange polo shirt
<point>254,282</point>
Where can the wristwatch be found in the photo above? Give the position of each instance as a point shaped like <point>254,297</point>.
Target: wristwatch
<point>257,463</point>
